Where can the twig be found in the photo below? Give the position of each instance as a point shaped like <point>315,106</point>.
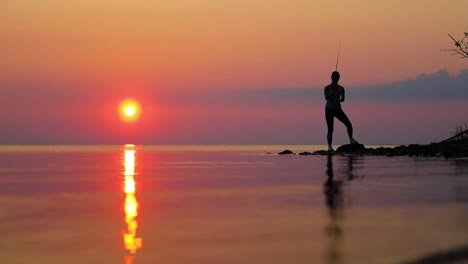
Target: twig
<point>461,46</point>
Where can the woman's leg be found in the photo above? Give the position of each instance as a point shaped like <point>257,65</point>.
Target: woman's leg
<point>345,120</point>
<point>329,115</point>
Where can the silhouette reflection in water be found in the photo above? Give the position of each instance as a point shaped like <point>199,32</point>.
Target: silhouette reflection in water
<point>333,190</point>
<point>334,200</point>
<point>131,242</point>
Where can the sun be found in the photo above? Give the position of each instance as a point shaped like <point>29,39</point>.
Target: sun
<point>129,110</point>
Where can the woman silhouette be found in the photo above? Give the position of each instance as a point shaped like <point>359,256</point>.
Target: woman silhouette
<point>335,95</point>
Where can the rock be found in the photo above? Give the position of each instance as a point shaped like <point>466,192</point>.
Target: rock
<point>351,148</point>
<point>320,152</point>
<point>456,149</point>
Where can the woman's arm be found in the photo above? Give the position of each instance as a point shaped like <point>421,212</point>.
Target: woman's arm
<point>342,97</point>
<point>327,92</point>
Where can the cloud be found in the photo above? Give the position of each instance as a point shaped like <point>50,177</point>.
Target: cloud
<point>437,86</point>
<point>426,87</point>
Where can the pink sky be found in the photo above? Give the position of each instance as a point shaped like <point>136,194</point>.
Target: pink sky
<point>198,69</point>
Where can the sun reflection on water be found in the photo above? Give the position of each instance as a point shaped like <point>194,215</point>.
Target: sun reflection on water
<point>131,242</point>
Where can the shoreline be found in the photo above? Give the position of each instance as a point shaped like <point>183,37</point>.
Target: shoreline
<point>444,149</point>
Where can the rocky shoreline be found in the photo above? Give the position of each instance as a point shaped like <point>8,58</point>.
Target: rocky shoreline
<point>444,149</point>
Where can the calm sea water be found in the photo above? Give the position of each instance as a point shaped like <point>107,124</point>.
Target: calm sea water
<point>227,204</point>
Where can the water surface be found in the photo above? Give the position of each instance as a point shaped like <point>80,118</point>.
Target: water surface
<point>225,204</point>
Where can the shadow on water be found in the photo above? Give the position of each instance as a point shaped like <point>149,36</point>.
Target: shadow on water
<point>334,192</point>
<point>461,167</point>
<point>454,256</point>
<point>461,189</point>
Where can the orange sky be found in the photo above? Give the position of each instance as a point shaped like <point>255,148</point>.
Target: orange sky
<point>211,43</point>
<point>150,49</point>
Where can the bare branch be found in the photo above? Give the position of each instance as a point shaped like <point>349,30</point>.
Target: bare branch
<point>461,46</point>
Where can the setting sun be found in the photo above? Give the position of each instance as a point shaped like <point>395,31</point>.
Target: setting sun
<point>129,110</point>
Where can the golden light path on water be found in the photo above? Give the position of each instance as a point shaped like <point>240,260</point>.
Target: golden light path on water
<point>131,242</point>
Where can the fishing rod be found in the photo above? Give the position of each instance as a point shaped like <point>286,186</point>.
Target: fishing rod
<point>338,57</point>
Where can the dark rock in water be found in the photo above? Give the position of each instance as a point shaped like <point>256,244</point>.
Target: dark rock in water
<point>286,152</point>
<point>351,148</point>
<point>446,149</point>
<point>322,152</point>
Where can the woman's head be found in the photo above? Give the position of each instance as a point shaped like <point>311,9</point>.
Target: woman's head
<point>335,76</point>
